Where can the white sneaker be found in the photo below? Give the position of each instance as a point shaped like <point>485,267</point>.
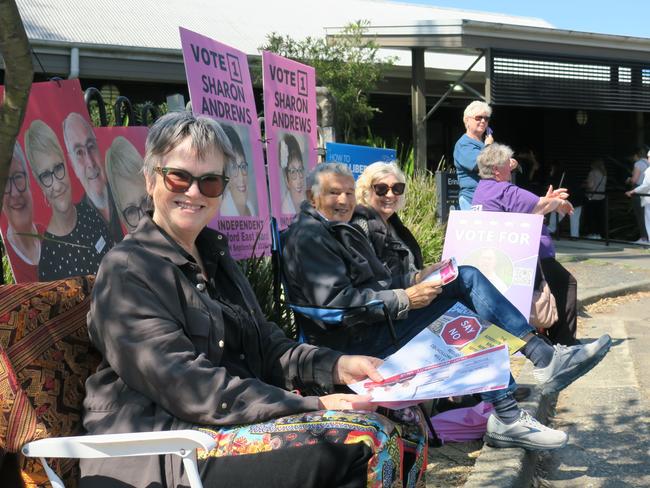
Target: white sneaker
<point>524,432</point>
<point>569,363</point>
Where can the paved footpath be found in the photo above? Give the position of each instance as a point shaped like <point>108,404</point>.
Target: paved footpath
<point>601,271</point>
<point>607,412</point>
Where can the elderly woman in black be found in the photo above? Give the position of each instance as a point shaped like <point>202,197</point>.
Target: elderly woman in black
<point>185,345</point>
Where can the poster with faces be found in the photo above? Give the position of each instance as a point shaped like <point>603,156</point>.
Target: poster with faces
<point>58,217</point>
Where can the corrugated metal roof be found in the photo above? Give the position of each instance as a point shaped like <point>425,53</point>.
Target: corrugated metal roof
<point>243,24</point>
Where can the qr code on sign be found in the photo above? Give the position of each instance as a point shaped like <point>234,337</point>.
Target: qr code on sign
<point>523,276</point>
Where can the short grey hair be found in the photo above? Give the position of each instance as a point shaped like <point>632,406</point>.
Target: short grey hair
<point>492,156</point>
<point>313,181</point>
<point>66,137</point>
<point>173,128</point>
<point>477,107</point>
<point>373,173</point>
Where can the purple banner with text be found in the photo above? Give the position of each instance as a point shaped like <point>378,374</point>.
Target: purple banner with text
<point>504,246</point>
<point>290,130</point>
<point>220,87</point>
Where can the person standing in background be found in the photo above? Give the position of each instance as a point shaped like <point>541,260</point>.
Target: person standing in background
<point>640,165</point>
<point>595,185</point>
<point>476,118</point>
<point>643,188</point>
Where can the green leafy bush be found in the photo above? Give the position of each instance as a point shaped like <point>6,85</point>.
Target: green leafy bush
<point>419,214</point>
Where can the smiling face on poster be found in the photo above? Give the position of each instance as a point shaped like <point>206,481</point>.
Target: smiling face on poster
<point>240,197</point>
<point>292,156</point>
<point>290,122</point>
<point>123,150</point>
<point>220,87</point>
<point>72,233</point>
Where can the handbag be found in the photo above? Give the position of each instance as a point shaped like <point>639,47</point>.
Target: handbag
<point>543,309</point>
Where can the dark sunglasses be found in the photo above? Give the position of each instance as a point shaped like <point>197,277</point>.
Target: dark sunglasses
<point>478,118</point>
<point>381,189</point>
<point>177,180</point>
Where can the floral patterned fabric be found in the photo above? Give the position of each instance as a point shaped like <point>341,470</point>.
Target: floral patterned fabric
<point>45,358</point>
<point>389,437</point>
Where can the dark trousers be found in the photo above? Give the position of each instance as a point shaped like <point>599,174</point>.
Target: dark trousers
<point>639,216</point>
<point>565,290</point>
<point>594,218</point>
<point>320,465</point>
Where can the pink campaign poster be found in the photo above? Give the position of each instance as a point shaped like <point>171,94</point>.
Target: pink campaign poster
<point>58,218</point>
<point>220,87</point>
<point>504,246</point>
<point>122,150</point>
<point>290,126</point>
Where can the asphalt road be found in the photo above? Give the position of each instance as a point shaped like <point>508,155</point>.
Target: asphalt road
<point>607,412</point>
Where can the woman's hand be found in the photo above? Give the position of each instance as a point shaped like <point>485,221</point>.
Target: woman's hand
<point>346,401</point>
<point>488,140</point>
<point>559,193</point>
<point>350,369</point>
<point>629,193</point>
<point>422,294</point>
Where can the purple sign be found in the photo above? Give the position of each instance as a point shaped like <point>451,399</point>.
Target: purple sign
<point>220,87</point>
<point>503,246</point>
<point>290,125</point>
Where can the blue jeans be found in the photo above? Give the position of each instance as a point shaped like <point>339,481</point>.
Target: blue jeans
<point>473,290</point>
<point>464,203</point>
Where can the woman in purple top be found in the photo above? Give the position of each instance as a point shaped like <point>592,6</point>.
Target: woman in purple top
<point>496,193</point>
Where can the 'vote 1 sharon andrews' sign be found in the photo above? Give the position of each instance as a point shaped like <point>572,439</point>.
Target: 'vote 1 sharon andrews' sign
<point>220,87</point>
<point>504,246</point>
<point>290,131</point>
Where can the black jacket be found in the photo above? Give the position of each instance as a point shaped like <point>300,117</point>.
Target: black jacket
<point>391,251</point>
<point>332,264</point>
<point>162,340</point>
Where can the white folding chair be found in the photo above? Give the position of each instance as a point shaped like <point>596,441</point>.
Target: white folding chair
<point>182,443</point>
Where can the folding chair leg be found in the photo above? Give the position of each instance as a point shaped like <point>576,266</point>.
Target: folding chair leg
<point>433,439</point>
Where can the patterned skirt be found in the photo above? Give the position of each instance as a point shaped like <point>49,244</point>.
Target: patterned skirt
<point>389,436</point>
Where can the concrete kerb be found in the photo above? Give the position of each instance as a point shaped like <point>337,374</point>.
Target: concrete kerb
<point>515,468</point>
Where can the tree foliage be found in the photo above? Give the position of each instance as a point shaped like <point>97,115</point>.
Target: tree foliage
<point>348,64</point>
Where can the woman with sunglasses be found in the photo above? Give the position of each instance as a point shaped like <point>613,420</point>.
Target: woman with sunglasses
<point>21,237</point>
<point>476,118</point>
<point>76,238</point>
<point>235,198</point>
<point>186,346</point>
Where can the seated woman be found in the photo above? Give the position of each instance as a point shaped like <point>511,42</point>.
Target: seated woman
<point>496,193</point>
<point>185,345</point>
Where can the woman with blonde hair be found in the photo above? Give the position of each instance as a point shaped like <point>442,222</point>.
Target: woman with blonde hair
<point>124,172</point>
<point>477,135</point>
<point>76,238</point>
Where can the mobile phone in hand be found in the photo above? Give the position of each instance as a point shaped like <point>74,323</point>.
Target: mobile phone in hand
<point>488,131</point>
